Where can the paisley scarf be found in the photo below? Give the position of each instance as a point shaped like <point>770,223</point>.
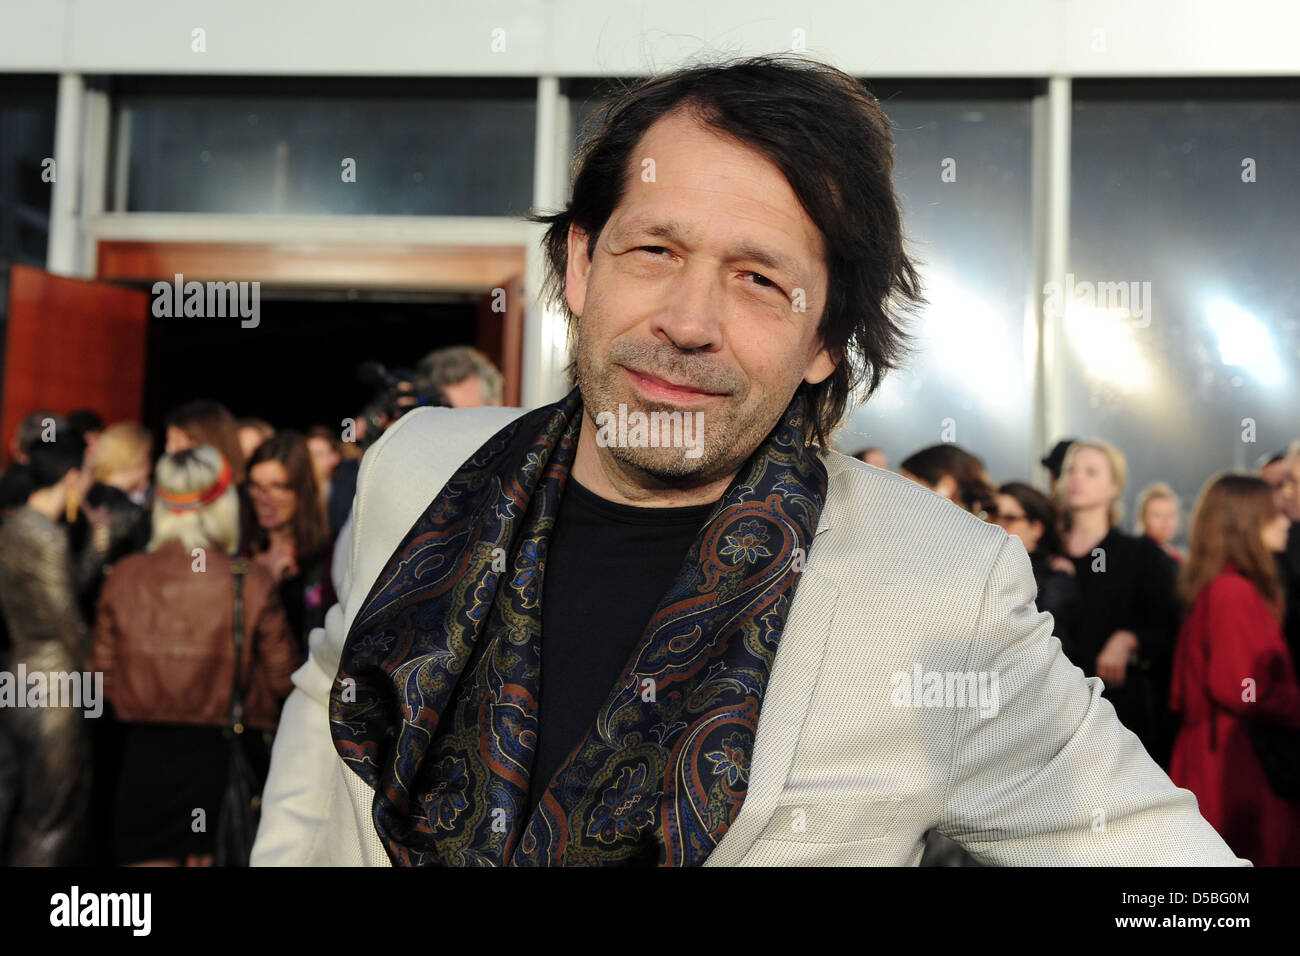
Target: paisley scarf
<point>435,704</point>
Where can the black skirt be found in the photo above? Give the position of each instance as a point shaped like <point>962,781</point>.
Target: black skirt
<point>169,792</point>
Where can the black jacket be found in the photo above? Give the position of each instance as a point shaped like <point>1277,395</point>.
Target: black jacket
<point>1128,583</point>
<point>1058,594</point>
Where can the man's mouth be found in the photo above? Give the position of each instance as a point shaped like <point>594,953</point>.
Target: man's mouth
<point>651,386</point>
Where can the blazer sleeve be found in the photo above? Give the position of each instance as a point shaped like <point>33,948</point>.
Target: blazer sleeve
<point>315,810</point>
<point>1246,645</point>
<point>298,800</point>
<point>1049,776</point>
<point>307,817</point>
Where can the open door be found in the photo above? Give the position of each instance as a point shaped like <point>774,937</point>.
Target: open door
<point>72,343</point>
<point>500,333</point>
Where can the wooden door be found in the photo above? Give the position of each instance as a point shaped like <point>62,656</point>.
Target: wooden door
<point>72,344</point>
<point>499,333</point>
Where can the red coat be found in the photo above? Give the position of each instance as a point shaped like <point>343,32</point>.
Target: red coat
<point>1231,635</point>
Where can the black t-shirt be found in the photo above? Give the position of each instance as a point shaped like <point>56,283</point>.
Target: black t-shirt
<point>608,567</point>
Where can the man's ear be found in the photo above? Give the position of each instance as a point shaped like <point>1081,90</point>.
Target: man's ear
<point>576,270</point>
<point>820,366</point>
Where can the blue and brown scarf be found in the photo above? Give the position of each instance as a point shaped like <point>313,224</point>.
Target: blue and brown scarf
<point>435,704</point>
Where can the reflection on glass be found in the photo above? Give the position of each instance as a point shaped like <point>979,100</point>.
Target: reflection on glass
<point>1196,201</point>
<point>969,378</point>
<point>309,156</point>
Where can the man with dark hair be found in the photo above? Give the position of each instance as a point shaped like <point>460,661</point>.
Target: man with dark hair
<point>48,636</point>
<point>658,621</point>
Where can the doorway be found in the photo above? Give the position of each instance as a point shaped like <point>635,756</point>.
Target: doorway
<point>298,366</point>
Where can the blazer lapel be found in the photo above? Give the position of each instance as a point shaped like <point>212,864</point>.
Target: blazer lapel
<point>785,704</point>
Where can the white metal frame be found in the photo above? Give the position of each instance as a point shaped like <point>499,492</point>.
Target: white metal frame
<point>1051,241</point>
<point>78,222</point>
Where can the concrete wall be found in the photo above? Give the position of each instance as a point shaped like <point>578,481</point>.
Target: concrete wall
<point>967,38</point>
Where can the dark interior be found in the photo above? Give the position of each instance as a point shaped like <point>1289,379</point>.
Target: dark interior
<point>298,366</point>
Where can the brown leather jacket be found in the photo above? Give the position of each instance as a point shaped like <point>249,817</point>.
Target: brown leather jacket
<point>164,638</point>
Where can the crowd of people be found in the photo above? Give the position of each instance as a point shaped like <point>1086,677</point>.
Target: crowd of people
<point>100,545</point>
<point>114,564</point>
<point>1198,651</point>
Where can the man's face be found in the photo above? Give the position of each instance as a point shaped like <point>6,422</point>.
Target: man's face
<point>467,393</point>
<point>710,276</point>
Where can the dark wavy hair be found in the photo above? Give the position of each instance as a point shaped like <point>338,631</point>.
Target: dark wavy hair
<point>1226,525</point>
<point>827,135</point>
<point>1038,507</point>
<point>310,529</point>
<point>935,462</point>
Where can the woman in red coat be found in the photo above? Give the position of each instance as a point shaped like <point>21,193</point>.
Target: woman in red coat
<point>1232,665</point>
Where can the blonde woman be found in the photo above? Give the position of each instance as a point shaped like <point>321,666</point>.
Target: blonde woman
<point>1157,509</point>
<point>164,641</point>
<point>1124,628</point>
<point>121,463</point>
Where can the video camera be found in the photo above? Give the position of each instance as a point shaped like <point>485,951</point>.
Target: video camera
<point>397,391</point>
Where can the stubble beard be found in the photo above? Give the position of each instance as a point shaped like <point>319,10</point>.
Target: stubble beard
<point>730,434</point>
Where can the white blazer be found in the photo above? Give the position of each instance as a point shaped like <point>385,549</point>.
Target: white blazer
<point>902,592</point>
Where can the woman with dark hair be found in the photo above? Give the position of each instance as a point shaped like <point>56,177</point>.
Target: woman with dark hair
<point>165,642</point>
<point>953,473</point>
<point>289,535</point>
<point>1030,515</point>
<point>1232,666</point>
<point>326,456</point>
<point>206,423</point>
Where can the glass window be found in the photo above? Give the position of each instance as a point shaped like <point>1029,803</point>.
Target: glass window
<point>459,149</point>
<point>27,107</point>
<point>1184,202</point>
<point>962,172</point>
<point>586,97</point>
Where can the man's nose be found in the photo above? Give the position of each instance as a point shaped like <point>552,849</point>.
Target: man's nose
<point>691,315</point>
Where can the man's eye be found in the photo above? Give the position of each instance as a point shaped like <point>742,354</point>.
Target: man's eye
<point>764,281</point>
<point>653,250</point>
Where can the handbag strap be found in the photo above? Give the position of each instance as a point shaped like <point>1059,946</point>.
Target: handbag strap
<point>236,716</point>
